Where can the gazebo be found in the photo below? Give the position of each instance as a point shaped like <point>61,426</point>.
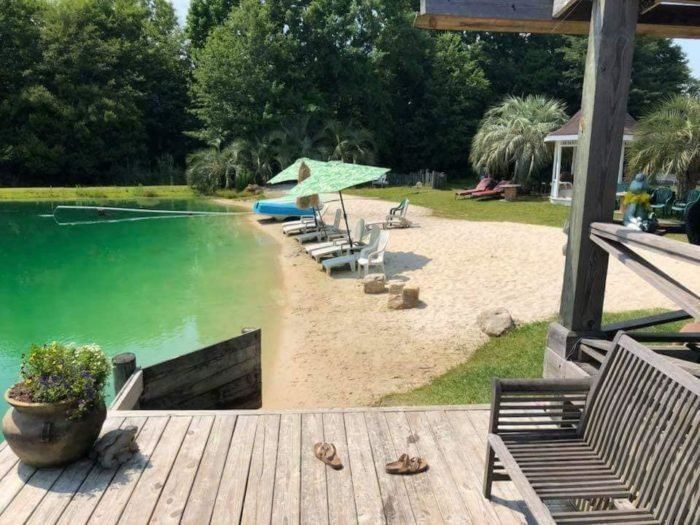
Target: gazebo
<point>565,140</point>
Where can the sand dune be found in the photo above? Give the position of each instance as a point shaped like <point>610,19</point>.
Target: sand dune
<point>340,347</point>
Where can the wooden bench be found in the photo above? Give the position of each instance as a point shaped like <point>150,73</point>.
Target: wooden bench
<point>621,448</point>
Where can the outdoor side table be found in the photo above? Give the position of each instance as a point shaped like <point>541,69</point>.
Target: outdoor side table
<point>510,192</point>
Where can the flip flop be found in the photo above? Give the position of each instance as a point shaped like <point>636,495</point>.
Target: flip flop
<point>327,453</point>
<point>405,465</point>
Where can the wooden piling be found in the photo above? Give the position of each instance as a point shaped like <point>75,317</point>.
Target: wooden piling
<point>124,365</point>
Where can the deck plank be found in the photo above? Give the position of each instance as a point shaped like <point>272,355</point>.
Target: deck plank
<point>257,507</point>
<point>341,499</point>
<point>51,489</point>
<point>451,506</point>
<point>173,498</point>
<point>149,486</point>
<point>467,479</point>
<point>202,497</point>
<point>285,508</point>
<point>8,460</point>
<point>13,482</point>
<point>104,493</point>
<point>229,500</point>
<point>395,499</point>
<point>420,492</point>
<point>506,501</point>
<point>368,498</point>
<point>314,494</point>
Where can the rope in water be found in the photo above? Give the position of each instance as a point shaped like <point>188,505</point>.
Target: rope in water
<point>104,211</point>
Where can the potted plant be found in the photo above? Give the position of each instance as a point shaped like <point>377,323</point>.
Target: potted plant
<point>57,407</point>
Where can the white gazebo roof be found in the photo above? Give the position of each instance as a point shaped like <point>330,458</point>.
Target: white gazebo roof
<point>569,131</point>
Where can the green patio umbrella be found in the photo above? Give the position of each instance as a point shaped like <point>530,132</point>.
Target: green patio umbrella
<point>329,177</point>
<point>291,172</point>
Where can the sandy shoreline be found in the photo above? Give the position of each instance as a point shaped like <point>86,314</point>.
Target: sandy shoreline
<point>337,347</point>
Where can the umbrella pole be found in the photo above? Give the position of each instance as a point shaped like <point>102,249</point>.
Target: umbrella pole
<point>345,215</point>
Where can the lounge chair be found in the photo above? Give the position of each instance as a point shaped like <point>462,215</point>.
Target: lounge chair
<point>662,200</point>
<point>483,185</point>
<point>304,224</point>
<point>497,191</point>
<point>396,217</point>
<point>340,248</point>
<point>680,206</point>
<point>340,238</point>
<point>374,255</point>
<point>351,259</point>
<point>323,231</point>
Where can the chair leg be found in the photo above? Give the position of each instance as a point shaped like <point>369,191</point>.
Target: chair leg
<point>488,471</point>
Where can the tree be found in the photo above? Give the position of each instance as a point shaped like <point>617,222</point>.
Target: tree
<point>659,70</point>
<point>347,143</point>
<point>667,140</point>
<point>510,139</point>
<point>203,16</point>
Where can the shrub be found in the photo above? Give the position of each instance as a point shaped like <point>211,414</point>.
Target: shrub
<point>54,372</point>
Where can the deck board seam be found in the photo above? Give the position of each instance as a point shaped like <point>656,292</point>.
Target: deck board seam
<point>374,464</point>
<point>194,477</point>
<point>224,461</point>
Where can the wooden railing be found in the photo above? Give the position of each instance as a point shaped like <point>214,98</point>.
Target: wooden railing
<point>225,375</point>
<point>619,242</point>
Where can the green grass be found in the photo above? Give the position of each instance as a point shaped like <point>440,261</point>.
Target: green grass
<point>528,210</point>
<point>519,353</point>
<point>97,192</point>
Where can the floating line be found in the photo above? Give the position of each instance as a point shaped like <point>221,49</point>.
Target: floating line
<point>155,214</point>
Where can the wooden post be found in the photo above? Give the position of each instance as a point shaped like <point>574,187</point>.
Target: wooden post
<point>604,104</point>
<point>124,365</point>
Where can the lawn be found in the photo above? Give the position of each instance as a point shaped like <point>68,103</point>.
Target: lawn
<point>96,192</point>
<point>528,210</point>
<point>109,192</point>
<point>517,354</point>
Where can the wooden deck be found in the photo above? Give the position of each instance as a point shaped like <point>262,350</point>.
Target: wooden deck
<point>258,467</point>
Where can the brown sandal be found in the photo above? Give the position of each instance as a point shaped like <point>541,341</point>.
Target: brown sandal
<point>327,453</point>
<point>406,465</point>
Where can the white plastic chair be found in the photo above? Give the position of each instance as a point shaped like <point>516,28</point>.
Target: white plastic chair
<point>374,255</point>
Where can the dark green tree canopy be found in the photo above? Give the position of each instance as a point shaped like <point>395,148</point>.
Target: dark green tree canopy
<point>205,15</point>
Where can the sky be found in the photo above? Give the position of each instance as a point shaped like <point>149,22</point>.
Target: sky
<point>691,47</point>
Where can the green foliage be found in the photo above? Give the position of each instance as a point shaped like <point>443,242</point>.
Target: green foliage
<point>667,140</point>
<point>510,139</point>
<point>54,372</point>
<point>101,94</point>
<point>205,15</point>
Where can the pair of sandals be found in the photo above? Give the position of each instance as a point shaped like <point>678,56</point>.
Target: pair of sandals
<point>327,453</point>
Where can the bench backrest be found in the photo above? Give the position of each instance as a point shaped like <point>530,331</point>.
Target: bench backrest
<point>643,419</point>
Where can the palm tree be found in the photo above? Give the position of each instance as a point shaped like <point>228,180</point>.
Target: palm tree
<point>297,139</point>
<point>510,138</point>
<point>207,167</point>
<point>348,143</point>
<point>256,157</point>
<point>667,141</point>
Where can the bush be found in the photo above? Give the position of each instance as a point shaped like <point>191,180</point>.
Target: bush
<point>53,373</point>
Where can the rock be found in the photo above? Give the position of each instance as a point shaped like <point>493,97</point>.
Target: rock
<point>410,296</point>
<point>395,301</point>
<point>374,283</point>
<point>405,298</point>
<point>115,447</point>
<point>495,321</point>
<point>395,287</point>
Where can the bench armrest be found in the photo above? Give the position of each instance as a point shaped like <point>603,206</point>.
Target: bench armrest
<point>538,408</point>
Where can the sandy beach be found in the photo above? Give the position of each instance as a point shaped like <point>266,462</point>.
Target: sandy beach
<point>339,347</point>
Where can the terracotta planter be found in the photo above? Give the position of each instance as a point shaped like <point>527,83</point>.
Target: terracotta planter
<point>42,436</point>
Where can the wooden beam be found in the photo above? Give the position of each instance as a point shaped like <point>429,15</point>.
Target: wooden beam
<point>604,104</point>
<point>535,16</point>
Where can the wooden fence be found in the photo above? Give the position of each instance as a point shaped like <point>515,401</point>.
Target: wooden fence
<point>428,178</point>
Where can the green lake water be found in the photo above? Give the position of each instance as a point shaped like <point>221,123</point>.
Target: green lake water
<point>157,288</point>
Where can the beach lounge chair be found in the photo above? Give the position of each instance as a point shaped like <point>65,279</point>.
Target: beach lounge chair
<point>323,231</point>
<point>350,259</point>
<point>340,248</point>
<point>483,185</point>
<point>662,200</point>
<point>303,224</point>
<point>497,191</point>
<point>397,216</point>
<point>374,255</point>
<point>340,238</point>
<point>680,206</point>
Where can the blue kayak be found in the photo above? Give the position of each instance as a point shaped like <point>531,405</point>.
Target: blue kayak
<point>282,209</point>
